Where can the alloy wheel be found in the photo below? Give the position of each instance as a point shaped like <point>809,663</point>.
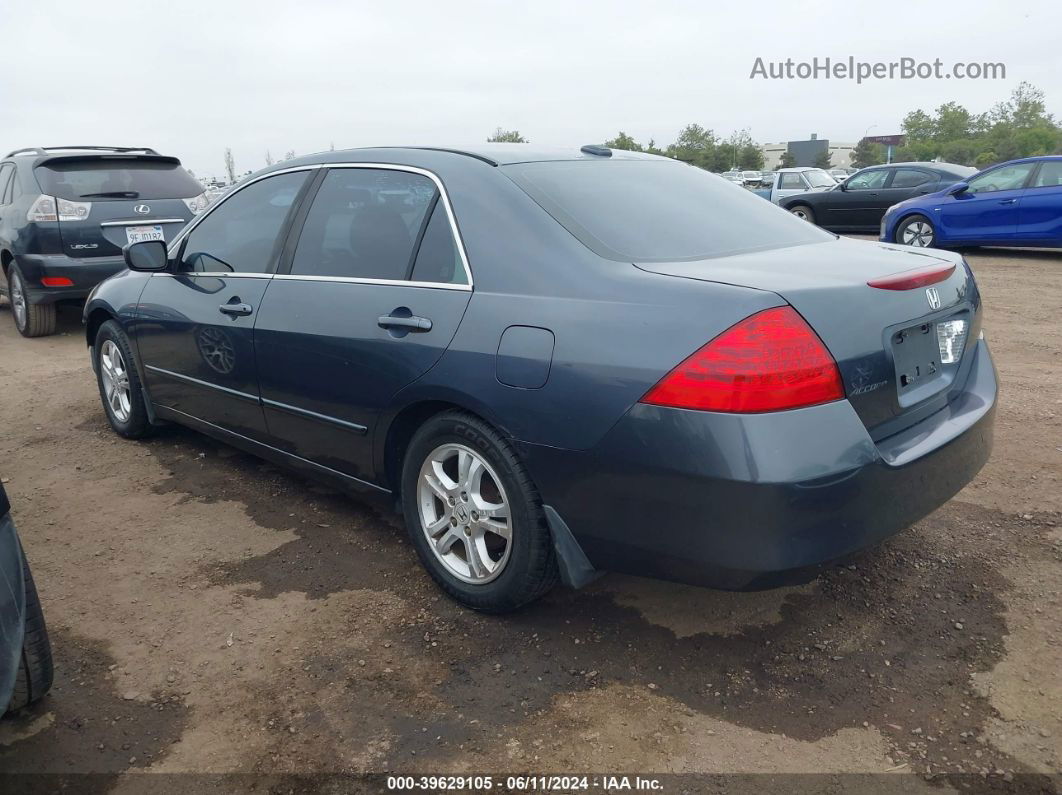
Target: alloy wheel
<point>115,381</point>
<point>18,299</point>
<point>464,513</point>
<point>918,234</point>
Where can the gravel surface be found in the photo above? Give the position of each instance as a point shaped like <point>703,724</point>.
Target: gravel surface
<point>211,613</point>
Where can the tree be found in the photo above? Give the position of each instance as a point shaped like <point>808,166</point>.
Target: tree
<point>289,155</point>
<point>624,142</point>
<point>269,158</point>
<point>652,148</point>
<point>824,159</point>
<point>953,121</point>
<point>867,153</point>
<point>507,137</point>
<point>986,159</point>
<point>230,166</point>
<point>787,161</point>
<point>694,145</point>
<point>751,157</point>
<point>918,126</point>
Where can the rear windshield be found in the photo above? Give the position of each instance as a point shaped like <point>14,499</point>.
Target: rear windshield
<point>658,211</point>
<point>101,179</point>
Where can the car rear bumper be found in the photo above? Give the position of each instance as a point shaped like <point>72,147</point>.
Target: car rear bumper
<point>84,273</point>
<point>751,501</point>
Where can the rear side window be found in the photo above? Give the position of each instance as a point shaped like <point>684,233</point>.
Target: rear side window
<point>438,259</point>
<point>657,210</point>
<point>1049,176</point>
<point>911,178</point>
<point>790,180</point>
<point>100,179</point>
<point>7,171</point>
<point>365,223</point>
<point>240,235</point>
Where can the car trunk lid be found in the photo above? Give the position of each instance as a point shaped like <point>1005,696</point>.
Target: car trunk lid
<point>885,341</point>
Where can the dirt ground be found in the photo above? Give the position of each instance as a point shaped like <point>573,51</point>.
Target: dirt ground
<point>211,613</point>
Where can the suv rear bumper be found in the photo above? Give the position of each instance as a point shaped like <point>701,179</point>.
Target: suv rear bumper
<point>84,273</point>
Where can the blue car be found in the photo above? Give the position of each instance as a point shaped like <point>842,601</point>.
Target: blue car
<point>557,362</point>
<point>1014,204</point>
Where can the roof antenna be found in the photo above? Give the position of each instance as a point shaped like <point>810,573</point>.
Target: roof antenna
<point>594,149</point>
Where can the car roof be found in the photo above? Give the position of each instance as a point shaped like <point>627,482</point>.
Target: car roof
<point>495,154</point>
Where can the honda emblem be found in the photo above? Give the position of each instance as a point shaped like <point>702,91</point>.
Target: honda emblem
<point>933,297</point>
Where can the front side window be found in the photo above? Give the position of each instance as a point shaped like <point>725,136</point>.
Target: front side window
<point>657,210</point>
<point>911,178</point>
<point>1002,178</point>
<point>241,234</point>
<point>369,223</point>
<point>1050,175</point>
<point>868,180</point>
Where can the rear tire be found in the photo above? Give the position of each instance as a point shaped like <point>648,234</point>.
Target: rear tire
<point>917,231</point>
<point>35,672</point>
<point>804,212</point>
<point>505,576</point>
<point>31,320</point>
<point>121,392</point>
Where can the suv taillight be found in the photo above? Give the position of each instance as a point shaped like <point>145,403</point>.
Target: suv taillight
<point>49,208</point>
<point>770,361</point>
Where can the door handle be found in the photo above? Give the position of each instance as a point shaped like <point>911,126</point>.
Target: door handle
<point>1007,201</point>
<point>412,323</point>
<point>235,309</point>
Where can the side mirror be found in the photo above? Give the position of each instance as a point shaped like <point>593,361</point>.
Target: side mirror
<point>842,185</point>
<point>958,189</point>
<point>149,256</point>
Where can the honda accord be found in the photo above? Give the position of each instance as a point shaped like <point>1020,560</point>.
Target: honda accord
<point>560,362</point>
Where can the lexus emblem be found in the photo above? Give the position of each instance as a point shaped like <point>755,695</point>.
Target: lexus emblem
<point>143,209</point>
<point>933,297</point>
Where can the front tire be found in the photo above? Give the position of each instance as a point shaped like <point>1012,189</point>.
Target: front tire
<point>804,212</point>
<point>916,231</point>
<point>119,383</point>
<point>35,672</point>
<point>31,320</point>
<point>474,516</point>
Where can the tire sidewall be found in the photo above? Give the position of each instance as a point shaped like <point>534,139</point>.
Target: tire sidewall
<point>914,219</point>
<point>809,214</point>
<point>524,510</point>
<point>13,275</point>
<point>137,424</point>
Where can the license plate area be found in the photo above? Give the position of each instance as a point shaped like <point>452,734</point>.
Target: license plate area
<point>140,234</point>
<point>916,354</point>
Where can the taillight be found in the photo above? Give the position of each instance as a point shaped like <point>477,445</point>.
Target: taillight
<point>197,203</point>
<point>909,280</point>
<point>49,208</point>
<point>770,361</point>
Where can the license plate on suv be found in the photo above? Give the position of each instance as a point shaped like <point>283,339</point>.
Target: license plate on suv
<point>140,234</point>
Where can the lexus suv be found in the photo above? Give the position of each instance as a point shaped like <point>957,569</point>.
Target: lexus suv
<point>67,212</point>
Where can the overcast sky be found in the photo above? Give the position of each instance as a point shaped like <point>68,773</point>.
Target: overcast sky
<point>190,78</point>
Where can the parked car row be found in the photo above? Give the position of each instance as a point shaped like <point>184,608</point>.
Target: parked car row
<point>1018,203</point>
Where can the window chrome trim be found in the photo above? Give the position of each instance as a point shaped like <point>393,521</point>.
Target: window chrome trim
<point>294,277</point>
<point>175,244</point>
<point>218,274</point>
<point>143,222</point>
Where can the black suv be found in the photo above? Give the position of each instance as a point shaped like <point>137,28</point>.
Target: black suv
<point>66,213</point>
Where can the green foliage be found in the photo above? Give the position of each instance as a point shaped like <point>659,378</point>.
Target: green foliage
<point>1017,127</point>
<point>751,157</point>
<point>787,160</point>
<point>624,142</point>
<point>867,153</point>
<point>507,137</point>
<point>824,159</point>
